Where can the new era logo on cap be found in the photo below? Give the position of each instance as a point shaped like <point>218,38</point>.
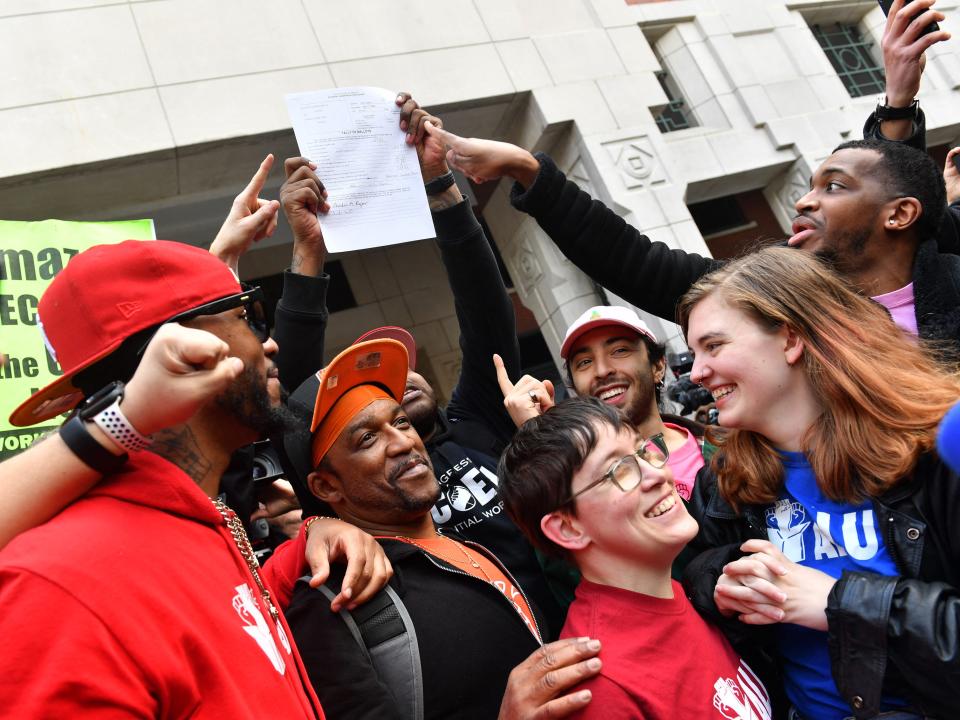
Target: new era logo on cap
<point>128,309</point>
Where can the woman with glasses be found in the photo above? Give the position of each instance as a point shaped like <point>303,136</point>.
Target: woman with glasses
<point>831,520</point>
<point>581,487</point>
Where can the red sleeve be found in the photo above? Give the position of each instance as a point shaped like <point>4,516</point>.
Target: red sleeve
<point>60,660</point>
<point>608,700</point>
<point>287,564</point>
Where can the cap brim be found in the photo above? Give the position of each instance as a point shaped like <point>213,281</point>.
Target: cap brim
<point>58,397</point>
<point>393,332</point>
<point>599,322</point>
<point>380,362</point>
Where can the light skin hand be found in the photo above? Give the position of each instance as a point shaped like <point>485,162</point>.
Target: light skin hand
<point>535,686</point>
<point>748,586</point>
<point>483,160</point>
<point>517,397</point>
<point>302,196</point>
<point>368,569</point>
<point>251,219</point>
<point>951,177</point>
<point>903,48</point>
<point>184,366</point>
<point>805,590</point>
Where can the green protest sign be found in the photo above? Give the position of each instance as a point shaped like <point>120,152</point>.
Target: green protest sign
<point>31,255</point>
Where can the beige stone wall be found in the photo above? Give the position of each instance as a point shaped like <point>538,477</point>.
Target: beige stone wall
<point>163,108</point>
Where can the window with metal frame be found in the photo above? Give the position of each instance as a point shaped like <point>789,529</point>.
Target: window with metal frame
<point>852,58</point>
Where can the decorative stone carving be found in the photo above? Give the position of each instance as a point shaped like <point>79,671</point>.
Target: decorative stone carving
<point>637,162</point>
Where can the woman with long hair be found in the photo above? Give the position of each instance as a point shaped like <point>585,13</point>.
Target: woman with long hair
<point>831,516</point>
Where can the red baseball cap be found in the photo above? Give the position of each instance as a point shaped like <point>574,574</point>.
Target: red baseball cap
<point>602,315</point>
<point>392,332</point>
<point>108,293</point>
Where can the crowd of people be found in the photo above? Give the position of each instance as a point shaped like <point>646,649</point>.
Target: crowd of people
<point>798,561</point>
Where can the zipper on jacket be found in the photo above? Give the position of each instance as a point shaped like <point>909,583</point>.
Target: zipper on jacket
<point>457,571</point>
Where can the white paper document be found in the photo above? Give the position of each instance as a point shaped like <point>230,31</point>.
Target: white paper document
<point>372,176</point>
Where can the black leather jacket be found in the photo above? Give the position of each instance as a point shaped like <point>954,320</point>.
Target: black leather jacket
<point>896,634</point>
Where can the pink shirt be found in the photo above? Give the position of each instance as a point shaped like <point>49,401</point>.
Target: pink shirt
<point>900,303</point>
<point>685,462</point>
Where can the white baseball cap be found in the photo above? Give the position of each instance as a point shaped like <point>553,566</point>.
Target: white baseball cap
<point>601,315</point>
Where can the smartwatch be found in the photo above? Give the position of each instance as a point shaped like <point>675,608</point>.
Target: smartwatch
<point>77,437</point>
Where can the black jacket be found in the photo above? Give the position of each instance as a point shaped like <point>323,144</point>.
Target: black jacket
<point>899,635</point>
<point>654,276</point>
<point>475,427</point>
<point>473,430</point>
<point>469,635</point>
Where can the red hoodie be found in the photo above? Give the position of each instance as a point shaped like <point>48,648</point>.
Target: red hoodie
<point>135,602</point>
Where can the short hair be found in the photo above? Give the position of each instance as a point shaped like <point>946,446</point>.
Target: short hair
<point>909,172</point>
<point>655,352</point>
<point>538,465</point>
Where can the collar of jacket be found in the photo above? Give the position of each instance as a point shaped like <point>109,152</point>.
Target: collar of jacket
<point>936,289</point>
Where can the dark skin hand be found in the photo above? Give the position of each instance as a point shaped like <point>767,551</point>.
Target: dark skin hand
<point>302,196</point>
<point>535,687</point>
<point>430,152</point>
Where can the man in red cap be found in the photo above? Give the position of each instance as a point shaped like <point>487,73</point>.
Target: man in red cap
<point>143,598</point>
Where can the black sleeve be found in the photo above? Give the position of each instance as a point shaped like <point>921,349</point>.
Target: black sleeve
<point>300,323</point>
<point>650,275</point>
<point>486,316</point>
<point>912,624</point>
<point>339,669</point>
<point>917,139</point>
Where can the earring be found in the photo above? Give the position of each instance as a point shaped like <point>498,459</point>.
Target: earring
<point>891,221</point>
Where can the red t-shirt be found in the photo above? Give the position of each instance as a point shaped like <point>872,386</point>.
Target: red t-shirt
<point>661,660</point>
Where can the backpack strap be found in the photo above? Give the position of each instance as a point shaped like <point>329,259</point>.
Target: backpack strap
<point>385,633</point>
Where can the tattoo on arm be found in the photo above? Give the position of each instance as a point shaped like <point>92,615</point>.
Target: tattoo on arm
<point>180,447</point>
<point>297,262</point>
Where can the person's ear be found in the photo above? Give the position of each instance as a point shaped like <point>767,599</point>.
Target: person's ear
<point>902,213</point>
<point>659,370</point>
<point>793,347</point>
<point>564,530</point>
<point>325,486</point>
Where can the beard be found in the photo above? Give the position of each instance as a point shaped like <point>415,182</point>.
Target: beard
<point>843,254</point>
<point>248,401</point>
<point>638,412</point>
<point>410,502</point>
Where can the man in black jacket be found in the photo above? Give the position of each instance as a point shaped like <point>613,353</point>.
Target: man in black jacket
<point>466,438</point>
<point>472,622</point>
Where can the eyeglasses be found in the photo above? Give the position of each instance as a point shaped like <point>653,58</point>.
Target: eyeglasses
<point>627,472</point>
<point>251,300</point>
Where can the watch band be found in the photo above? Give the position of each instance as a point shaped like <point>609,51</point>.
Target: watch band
<point>440,183</point>
<point>115,424</point>
<point>82,444</point>
<point>885,112</point>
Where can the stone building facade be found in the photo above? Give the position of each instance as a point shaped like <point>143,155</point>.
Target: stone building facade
<point>697,120</point>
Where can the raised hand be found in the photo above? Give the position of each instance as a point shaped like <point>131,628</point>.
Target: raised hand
<point>527,398</point>
<point>483,160</point>
<point>302,196</point>
<point>251,218</point>
<point>904,45</point>
<point>430,150</point>
<point>183,366</point>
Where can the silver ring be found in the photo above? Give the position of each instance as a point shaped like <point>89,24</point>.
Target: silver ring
<point>533,397</point>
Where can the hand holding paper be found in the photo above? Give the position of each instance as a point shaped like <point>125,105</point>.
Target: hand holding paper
<point>376,194</point>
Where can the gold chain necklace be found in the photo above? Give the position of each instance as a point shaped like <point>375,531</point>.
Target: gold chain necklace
<point>240,539</point>
<point>458,546</point>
